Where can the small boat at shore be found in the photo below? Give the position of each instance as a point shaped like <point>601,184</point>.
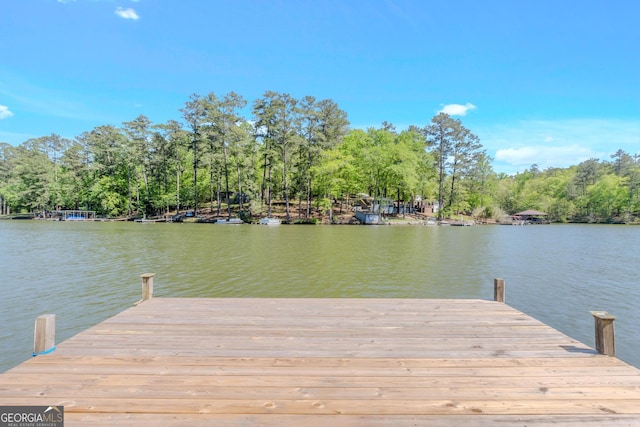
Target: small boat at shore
<point>229,221</point>
<point>144,221</point>
<point>462,224</point>
<point>270,221</point>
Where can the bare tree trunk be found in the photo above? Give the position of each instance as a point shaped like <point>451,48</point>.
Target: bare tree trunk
<point>218,195</point>
<point>226,177</point>
<point>269,194</point>
<point>308,197</point>
<point>211,192</point>
<point>129,188</point>
<point>240,195</point>
<point>285,182</point>
<point>178,190</point>
<point>195,176</point>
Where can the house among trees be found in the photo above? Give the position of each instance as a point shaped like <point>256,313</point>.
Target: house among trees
<point>531,216</point>
<point>302,155</point>
<point>427,207</point>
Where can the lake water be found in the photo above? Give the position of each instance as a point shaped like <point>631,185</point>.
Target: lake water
<point>87,272</point>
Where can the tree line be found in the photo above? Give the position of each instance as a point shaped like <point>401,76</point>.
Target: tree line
<point>300,153</point>
<point>592,191</point>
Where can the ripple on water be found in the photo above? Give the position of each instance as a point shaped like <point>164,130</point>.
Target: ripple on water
<point>88,272</point>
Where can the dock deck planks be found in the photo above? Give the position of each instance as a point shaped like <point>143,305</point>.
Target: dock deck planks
<point>319,362</point>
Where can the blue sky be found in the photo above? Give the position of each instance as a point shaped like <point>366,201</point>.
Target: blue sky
<point>551,82</point>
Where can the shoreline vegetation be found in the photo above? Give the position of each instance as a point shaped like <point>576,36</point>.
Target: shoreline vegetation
<point>338,216</point>
<point>300,160</point>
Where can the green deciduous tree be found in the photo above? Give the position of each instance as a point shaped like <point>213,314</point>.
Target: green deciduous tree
<point>232,135</point>
<point>457,152</point>
<point>75,176</point>
<point>34,175</point>
<point>194,113</point>
<point>297,148</point>
<point>106,159</point>
<point>8,194</point>
<point>140,152</point>
<point>276,127</point>
<point>608,197</point>
<point>322,125</point>
<point>172,143</point>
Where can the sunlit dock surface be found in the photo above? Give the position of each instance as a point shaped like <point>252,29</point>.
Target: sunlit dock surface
<point>326,362</point>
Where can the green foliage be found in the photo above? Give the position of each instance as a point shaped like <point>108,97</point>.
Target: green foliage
<point>489,213</point>
<point>323,204</point>
<point>608,198</point>
<point>459,160</point>
<point>106,194</point>
<point>297,148</point>
<point>588,192</point>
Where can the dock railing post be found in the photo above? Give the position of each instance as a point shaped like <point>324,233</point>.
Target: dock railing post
<point>44,334</point>
<point>498,290</point>
<point>147,285</point>
<point>605,334</point>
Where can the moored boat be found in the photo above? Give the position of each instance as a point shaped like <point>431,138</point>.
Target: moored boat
<point>270,221</point>
<point>229,221</point>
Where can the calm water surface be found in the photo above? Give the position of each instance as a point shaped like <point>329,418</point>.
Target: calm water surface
<point>87,272</point>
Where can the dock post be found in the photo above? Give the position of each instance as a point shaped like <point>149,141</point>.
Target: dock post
<point>44,335</point>
<point>605,334</point>
<point>498,290</point>
<point>147,285</point>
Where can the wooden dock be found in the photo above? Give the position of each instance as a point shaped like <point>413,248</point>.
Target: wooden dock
<point>326,362</point>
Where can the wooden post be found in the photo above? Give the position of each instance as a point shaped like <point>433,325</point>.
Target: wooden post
<point>605,334</point>
<point>44,335</point>
<point>498,290</point>
<point>147,286</point>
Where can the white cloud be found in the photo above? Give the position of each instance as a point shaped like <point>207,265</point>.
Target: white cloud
<point>557,143</point>
<point>127,13</point>
<point>66,1</point>
<point>5,113</point>
<point>546,157</point>
<point>457,109</point>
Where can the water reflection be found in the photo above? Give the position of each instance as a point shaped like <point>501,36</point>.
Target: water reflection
<point>86,272</point>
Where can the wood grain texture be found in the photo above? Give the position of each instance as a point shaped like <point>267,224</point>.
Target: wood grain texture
<point>339,362</point>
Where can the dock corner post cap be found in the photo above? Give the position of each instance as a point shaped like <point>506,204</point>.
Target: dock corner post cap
<point>147,285</point>
<point>605,333</point>
<point>498,290</point>
<point>44,336</point>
